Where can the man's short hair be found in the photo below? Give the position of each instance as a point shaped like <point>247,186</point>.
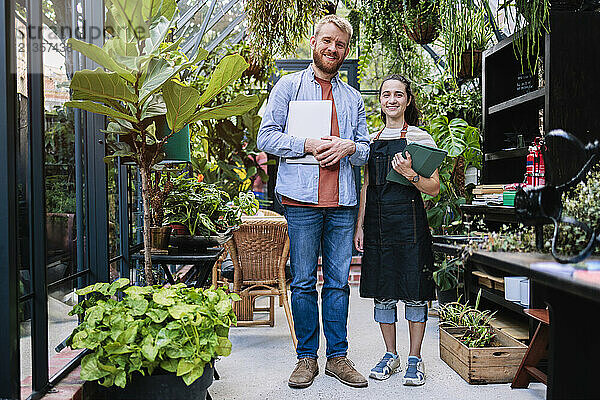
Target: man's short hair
<point>340,22</point>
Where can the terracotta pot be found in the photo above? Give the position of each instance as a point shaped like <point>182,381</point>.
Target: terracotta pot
<point>179,229</point>
<point>470,64</point>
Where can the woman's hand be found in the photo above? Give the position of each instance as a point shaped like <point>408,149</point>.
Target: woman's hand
<point>403,166</point>
<point>359,239</point>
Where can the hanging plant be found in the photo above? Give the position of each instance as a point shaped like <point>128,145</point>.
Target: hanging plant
<point>354,17</point>
<point>276,27</point>
<point>530,31</point>
<point>466,33</point>
<point>383,26</point>
<point>421,20</point>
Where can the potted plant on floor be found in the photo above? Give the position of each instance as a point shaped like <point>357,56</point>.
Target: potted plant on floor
<point>155,343</point>
<point>141,81</point>
<point>478,352</point>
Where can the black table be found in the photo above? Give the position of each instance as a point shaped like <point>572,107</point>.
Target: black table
<point>574,304</point>
<point>202,262</point>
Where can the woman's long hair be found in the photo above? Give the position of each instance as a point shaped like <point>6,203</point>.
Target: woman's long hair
<point>412,113</point>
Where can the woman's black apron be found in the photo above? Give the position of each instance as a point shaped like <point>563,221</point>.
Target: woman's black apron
<point>397,261</point>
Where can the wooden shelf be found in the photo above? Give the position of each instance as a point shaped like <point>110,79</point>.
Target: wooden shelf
<point>507,153</point>
<point>498,298</point>
<point>536,95</point>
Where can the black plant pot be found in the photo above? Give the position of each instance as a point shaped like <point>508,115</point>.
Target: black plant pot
<point>446,296</point>
<point>154,387</point>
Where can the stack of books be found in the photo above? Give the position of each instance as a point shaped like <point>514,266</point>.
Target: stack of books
<point>488,194</point>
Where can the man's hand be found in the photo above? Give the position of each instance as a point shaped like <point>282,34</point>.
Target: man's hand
<point>402,165</point>
<point>333,150</point>
<point>311,145</point>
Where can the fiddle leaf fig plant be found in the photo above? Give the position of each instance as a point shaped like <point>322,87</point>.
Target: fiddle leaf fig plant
<point>139,86</point>
<point>177,329</point>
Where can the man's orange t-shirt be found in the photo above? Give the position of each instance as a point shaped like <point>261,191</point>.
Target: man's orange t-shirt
<point>329,182</point>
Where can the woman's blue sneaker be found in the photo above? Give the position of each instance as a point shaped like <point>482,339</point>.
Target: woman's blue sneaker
<point>389,364</point>
<point>415,372</point>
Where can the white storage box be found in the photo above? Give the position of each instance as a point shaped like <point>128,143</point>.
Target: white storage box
<point>525,292</point>
<point>512,288</point>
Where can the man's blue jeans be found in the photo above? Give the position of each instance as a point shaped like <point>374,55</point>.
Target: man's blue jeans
<point>332,229</point>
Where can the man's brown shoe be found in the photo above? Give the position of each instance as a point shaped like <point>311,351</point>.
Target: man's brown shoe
<point>304,374</point>
<point>343,369</point>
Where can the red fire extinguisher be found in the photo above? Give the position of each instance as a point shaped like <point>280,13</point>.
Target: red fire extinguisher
<point>535,170</point>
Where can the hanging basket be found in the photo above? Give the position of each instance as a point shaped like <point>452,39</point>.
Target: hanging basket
<point>422,33</point>
<point>470,64</point>
<point>421,25</point>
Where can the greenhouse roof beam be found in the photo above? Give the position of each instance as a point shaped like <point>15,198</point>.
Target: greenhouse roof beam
<point>211,22</point>
<point>194,42</point>
<point>225,32</point>
<point>189,14</point>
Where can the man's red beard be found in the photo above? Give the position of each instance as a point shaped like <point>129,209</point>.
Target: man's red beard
<point>326,67</point>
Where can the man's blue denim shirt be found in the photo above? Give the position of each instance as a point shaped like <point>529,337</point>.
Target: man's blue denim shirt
<point>301,181</point>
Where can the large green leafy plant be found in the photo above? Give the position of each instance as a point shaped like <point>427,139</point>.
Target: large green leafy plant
<point>225,151</point>
<point>461,141</point>
<point>204,208</point>
<point>176,329</point>
<point>139,85</point>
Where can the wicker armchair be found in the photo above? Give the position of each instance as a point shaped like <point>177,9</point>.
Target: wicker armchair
<point>259,250</point>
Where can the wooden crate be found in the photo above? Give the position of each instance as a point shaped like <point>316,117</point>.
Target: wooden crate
<point>490,281</point>
<point>484,364</point>
<point>483,279</point>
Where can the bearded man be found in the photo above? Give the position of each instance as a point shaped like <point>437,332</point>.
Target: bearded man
<point>320,200</point>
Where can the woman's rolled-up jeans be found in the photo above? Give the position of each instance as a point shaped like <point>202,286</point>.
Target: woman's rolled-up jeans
<point>385,310</point>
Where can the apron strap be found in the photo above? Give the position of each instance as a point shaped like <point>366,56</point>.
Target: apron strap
<point>402,132</point>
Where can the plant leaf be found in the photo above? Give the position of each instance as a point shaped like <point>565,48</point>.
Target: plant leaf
<point>237,106</point>
<point>157,73</point>
<point>228,70</point>
<point>99,83</point>
<point>181,103</point>
<point>89,368</point>
<point>158,32</point>
<point>128,14</point>
<point>184,366</point>
<point>99,109</point>
<point>100,56</point>
<point>194,374</point>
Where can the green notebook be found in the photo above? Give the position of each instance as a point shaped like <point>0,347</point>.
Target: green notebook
<point>425,160</point>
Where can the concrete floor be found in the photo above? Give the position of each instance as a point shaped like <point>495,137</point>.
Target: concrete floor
<point>263,357</point>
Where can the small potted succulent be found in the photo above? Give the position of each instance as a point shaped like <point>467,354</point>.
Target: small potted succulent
<point>154,343</point>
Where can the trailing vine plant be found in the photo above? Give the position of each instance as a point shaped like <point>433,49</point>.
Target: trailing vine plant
<point>384,22</point>
<point>530,29</point>
<point>276,27</point>
<point>465,28</point>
